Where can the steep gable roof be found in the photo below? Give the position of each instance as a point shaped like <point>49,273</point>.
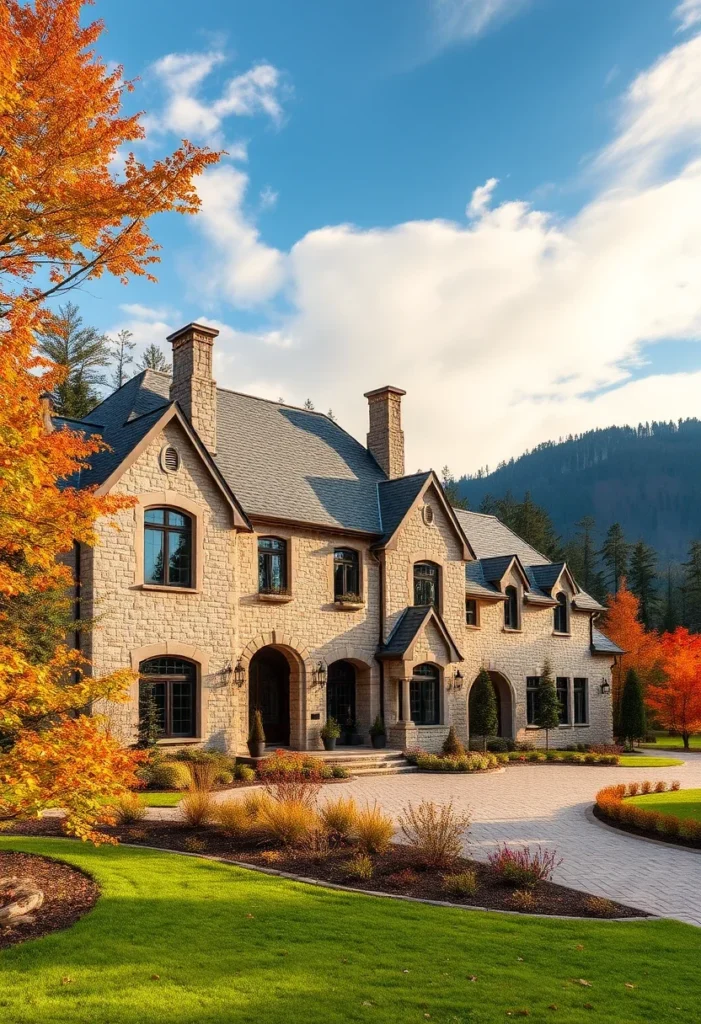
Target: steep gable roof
<point>408,627</point>
<point>488,536</point>
<point>398,497</point>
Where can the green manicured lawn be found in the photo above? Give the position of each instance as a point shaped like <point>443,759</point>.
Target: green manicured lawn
<point>229,946</point>
<point>672,743</point>
<point>684,803</point>
<point>152,799</point>
<point>640,761</point>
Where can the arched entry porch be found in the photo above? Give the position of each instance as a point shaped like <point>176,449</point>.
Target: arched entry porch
<point>505,704</point>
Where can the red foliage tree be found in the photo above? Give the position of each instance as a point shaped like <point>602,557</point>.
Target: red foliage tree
<point>676,701</point>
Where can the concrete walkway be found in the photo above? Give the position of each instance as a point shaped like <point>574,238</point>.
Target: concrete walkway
<point>549,804</point>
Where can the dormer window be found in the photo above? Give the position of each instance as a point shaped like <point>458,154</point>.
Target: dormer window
<point>272,565</point>
<point>511,610</point>
<point>167,548</point>
<point>426,584</point>
<point>561,614</point>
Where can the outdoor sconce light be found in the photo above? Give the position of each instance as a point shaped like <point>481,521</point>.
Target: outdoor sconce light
<point>320,674</point>
<point>239,673</point>
<point>605,686</point>
<point>456,683</point>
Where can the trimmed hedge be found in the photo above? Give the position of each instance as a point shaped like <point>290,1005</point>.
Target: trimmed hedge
<point>464,763</point>
<point>558,757</point>
<point>611,803</point>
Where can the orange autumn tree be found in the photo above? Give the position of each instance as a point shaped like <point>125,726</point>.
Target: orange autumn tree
<point>65,217</point>
<point>676,700</point>
<point>622,624</point>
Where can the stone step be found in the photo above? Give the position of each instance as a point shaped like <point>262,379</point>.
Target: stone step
<point>393,769</point>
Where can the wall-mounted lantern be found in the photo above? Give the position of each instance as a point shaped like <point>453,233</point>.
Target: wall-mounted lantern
<point>605,686</point>
<point>319,674</point>
<point>239,673</point>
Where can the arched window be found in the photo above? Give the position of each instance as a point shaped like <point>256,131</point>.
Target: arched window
<point>272,565</point>
<point>424,695</point>
<point>511,610</point>
<point>561,614</point>
<point>167,698</point>
<point>426,583</point>
<point>167,547</point>
<point>346,573</point>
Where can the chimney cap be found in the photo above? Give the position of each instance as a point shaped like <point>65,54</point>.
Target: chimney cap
<point>200,328</point>
<point>387,389</point>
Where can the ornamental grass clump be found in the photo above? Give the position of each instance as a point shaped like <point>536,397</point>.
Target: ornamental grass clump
<point>360,866</point>
<point>286,822</point>
<point>460,884</point>
<point>198,808</point>
<point>292,777</point>
<point>523,868</point>
<point>434,831</point>
<point>373,830</point>
<point>204,775</point>
<point>233,817</point>
<point>523,900</point>
<point>339,817</point>
<point>128,810</point>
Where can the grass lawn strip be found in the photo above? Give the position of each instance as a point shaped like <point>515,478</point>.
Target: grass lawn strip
<point>673,743</point>
<point>168,799</point>
<point>639,761</point>
<point>683,803</point>
<point>177,939</point>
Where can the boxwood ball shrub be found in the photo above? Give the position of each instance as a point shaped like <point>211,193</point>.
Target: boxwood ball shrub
<point>170,775</point>
<point>471,762</point>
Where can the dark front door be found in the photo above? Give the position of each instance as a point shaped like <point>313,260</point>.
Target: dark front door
<point>269,686</point>
<point>340,693</point>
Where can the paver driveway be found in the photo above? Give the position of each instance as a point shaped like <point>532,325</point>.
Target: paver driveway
<point>548,804</point>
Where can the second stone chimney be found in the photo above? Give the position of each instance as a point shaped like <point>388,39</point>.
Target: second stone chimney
<point>386,437</point>
<point>193,386</point>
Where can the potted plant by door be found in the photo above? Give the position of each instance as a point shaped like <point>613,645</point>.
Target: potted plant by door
<point>256,737</point>
<point>330,731</point>
<point>378,733</point>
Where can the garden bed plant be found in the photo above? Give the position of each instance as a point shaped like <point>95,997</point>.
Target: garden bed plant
<point>614,804</point>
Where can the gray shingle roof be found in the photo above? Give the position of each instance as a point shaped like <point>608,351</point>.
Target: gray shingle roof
<point>476,585</point>
<point>601,644</point>
<point>546,575</point>
<point>490,537</point>
<point>495,567</point>
<point>396,497</point>
<point>410,623</point>
<point>585,602</point>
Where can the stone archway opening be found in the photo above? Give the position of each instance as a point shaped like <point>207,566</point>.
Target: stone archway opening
<point>269,693</point>
<point>505,705</point>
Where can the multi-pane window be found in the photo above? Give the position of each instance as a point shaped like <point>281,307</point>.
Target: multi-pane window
<point>532,685</point>
<point>167,547</point>
<point>426,583</point>
<point>346,573</point>
<point>167,691</point>
<point>580,702</point>
<point>563,695</point>
<point>471,611</point>
<point>272,565</point>
<point>561,615</point>
<point>424,695</point>
<point>511,619</point>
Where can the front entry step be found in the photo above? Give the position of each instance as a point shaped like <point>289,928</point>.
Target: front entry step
<point>368,761</point>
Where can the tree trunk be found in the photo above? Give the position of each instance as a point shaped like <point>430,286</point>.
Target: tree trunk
<point>685,740</point>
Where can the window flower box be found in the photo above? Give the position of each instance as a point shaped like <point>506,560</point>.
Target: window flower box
<point>349,602</point>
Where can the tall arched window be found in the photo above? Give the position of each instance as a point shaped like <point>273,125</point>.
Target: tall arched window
<point>426,583</point>
<point>272,565</point>
<point>167,547</point>
<point>511,610</point>
<point>561,614</point>
<point>167,698</point>
<point>346,573</point>
<point>424,695</point>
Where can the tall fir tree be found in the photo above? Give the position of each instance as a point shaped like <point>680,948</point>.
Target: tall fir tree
<point>84,354</point>
<point>580,554</point>
<point>671,609</point>
<point>121,350</point>
<point>692,588</point>
<point>153,358</point>
<point>614,554</point>
<point>450,486</point>
<point>528,520</point>
<point>547,712</point>
<point>642,581</point>
<point>631,719</point>
<point>484,719</point>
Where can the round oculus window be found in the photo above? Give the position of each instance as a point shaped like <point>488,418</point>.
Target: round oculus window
<point>428,514</point>
<point>170,459</point>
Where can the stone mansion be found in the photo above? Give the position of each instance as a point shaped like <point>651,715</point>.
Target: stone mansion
<point>273,562</point>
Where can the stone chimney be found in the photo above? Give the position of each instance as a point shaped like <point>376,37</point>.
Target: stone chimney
<point>193,386</point>
<point>386,437</point>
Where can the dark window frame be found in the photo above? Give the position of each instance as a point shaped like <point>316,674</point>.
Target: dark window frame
<point>580,700</point>
<point>561,614</point>
<point>170,672</point>
<point>532,686</point>
<point>346,573</point>
<point>273,576</point>
<point>562,685</point>
<point>168,532</point>
<point>472,617</point>
<point>426,574</point>
<point>424,695</point>
<point>512,616</point>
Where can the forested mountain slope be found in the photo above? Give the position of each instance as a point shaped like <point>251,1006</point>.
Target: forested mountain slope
<point>646,478</point>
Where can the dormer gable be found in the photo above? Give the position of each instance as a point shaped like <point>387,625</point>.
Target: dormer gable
<point>399,498</point>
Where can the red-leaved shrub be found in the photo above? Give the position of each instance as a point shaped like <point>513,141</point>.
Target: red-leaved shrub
<point>520,867</point>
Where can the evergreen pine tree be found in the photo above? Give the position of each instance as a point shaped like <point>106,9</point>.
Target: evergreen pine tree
<point>670,613</point>
<point>84,352</point>
<point>692,588</point>
<point>450,486</point>
<point>631,719</point>
<point>642,581</point>
<point>121,351</point>
<point>308,404</point>
<point>614,554</point>
<point>547,714</point>
<point>153,358</point>
<point>484,720</point>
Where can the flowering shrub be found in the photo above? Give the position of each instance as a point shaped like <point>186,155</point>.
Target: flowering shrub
<point>292,777</point>
<point>471,762</point>
<point>521,867</point>
<point>611,802</point>
<point>412,754</point>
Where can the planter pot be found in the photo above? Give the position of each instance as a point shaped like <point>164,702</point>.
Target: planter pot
<point>356,740</point>
<point>329,742</point>
<point>379,741</point>
<point>256,749</point>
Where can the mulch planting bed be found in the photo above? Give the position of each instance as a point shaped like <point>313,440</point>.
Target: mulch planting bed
<point>660,837</point>
<point>68,894</point>
<point>397,872</point>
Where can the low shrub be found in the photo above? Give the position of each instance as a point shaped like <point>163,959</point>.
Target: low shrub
<point>660,787</point>
<point>412,754</point>
<point>669,825</point>
<point>404,878</point>
<point>525,745</point>
<point>645,787</point>
<point>607,748</point>
<point>599,905</point>
<point>453,746</point>
<point>128,810</point>
<point>675,785</point>
<point>435,831</point>
<point>523,900</point>
<point>286,822</point>
<point>462,883</point>
<point>611,802</point>
<point>499,745</point>
<point>691,830</point>
<point>193,844</point>
<point>244,773</point>
<point>339,816</point>
<point>198,807</point>
<point>360,866</point>
<point>521,867</point>
<point>551,755</point>
<point>471,762</point>
<point>169,775</point>
<point>373,830</point>
<point>339,772</point>
<point>292,777</point>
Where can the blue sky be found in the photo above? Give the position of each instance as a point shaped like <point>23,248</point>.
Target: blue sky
<point>342,245</point>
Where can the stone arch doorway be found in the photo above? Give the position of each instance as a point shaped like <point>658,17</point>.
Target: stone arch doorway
<point>505,705</point>
<point>341,692</point>
<point>269,692</point>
